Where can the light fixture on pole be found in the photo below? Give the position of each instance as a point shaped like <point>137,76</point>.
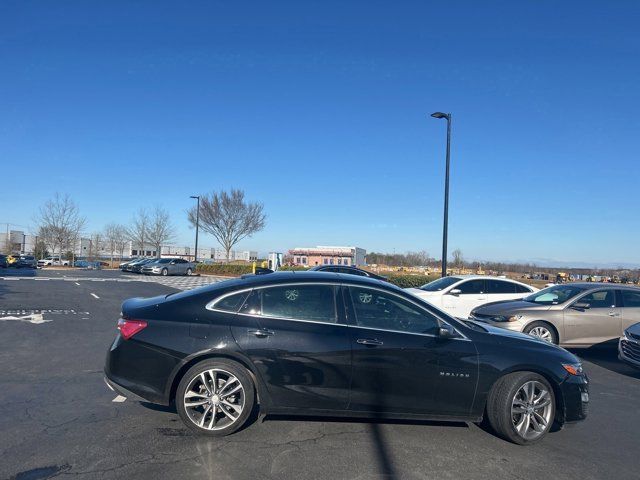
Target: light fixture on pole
<point>446,191</point>
<point>195,256</point>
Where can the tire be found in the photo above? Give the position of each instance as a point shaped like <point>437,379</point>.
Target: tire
<point>164,272</point>
<point>543,331</point>
<point>512,413</point>
<point>189,272</point>
<point>199,418</point>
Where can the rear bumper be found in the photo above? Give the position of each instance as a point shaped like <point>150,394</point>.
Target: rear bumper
<point>575,393</point>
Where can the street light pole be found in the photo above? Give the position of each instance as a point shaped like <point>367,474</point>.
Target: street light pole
<point>446,191</point>
<point>195,256</point>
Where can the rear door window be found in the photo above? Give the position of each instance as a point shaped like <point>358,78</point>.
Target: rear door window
<point>299,302</point>
<point>630,299</point>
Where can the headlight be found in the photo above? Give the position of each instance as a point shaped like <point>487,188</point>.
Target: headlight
<point>506,318</point>
<point>573,368</point>
<point>625,335</point>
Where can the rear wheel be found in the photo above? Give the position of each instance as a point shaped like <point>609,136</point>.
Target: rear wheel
<point>189,272</point>
<point>543,331</point>
<point>521,407</point>
<point>215,397</point>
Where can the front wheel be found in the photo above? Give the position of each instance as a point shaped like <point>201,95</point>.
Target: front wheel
<point>164,272</point>
<point>215,397</point>
<point>543,331</point>
<point>521,407</point>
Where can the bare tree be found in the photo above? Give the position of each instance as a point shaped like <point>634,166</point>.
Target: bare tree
<point>160,230</point>
<point>458,260</point>
<point>228,217</point>
<point>116,238</point>
<point>138,232</point>
<point>59,223</point>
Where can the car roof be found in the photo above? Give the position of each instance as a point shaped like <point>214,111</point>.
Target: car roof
<point>490,277</point>
<point>599,285</point>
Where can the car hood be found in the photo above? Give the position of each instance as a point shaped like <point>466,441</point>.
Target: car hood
<point>508,306</point>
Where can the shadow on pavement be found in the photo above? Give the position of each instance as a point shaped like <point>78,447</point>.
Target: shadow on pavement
<point>606,356</point>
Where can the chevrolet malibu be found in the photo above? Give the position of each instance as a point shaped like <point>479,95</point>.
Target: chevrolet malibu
<point>572,314</point>
<point>315,343</point>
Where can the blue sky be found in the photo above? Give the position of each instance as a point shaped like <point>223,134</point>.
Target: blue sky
<point>319,109</point>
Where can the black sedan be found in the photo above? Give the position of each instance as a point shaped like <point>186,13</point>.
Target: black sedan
<point>338,345</point>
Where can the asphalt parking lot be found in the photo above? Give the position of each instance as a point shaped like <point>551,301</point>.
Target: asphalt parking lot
<point>58,419</point>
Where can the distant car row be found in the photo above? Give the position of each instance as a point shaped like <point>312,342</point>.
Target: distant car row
<point>17,261</point>
<point>159,266</point>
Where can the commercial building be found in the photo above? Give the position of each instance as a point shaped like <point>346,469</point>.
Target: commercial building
<point>328,255</point>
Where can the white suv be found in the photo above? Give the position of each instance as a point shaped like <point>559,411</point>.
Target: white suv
<point>460,294</point>
<point>53,260</point>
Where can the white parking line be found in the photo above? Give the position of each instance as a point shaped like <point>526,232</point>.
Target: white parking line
<point>77,283</point>
<point>94,295</point>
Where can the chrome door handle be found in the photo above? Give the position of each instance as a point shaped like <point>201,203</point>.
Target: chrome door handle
<point>261,332</point>
<point>369,341</point>
<point>614,314</point>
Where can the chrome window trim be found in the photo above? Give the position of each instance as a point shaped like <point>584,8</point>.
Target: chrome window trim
<point>211,306</point>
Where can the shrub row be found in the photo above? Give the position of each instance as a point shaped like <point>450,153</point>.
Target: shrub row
<point>410,281</point>
<point>224,269</point>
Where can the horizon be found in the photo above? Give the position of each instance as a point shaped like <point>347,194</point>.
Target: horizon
<point>322,115</point>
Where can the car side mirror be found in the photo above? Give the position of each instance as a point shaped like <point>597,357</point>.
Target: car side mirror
<point>447,331</point>
<point>581,306</point>
<point>455,291</point>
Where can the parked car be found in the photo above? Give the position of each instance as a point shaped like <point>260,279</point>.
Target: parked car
<point>629,345</point>
<point>349,270</point>
<point>322,344</point>
<point>136,267</point>
<point>571,314</point>
<point>53,260</point>
<point>3,261</point>
<point>123,266</point>
<point>460,294</point>
<point>168,266</point>
<point>26,261</point>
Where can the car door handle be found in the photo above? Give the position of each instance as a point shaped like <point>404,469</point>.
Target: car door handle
<point>260,332</point>
<point>614,314</point>
<point>369,341</point>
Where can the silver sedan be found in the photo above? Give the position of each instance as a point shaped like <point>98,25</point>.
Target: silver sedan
<point>572,314</point>
<point>169,266</point>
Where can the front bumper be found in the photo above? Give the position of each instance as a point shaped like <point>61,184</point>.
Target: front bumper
<point>575,393</point>
<point>516,326</point>
<point>629,351</point>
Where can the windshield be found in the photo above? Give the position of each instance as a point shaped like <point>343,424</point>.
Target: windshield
<point>554,295</point>
<point>440,284</point>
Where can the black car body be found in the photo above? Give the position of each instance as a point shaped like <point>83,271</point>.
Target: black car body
<point>348,270</point>
<point>334,355</point>
<point>136,267</point>
<point>27,261</point>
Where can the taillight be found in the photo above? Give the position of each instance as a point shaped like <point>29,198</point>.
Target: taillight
<point>128,328</point>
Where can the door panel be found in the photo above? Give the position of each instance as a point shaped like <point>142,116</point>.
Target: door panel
<point>599,323</point>
<point>473,294</point>
<point>305,363</point>
<point>410,371</point>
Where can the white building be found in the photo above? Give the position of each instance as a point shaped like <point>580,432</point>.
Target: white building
<point>328,255</point>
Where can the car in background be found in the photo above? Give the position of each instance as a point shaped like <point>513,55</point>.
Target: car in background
<point>53,260</point>
<point>346,269</point>
<point>3,261</point>
<point>324,344</point>
<point>629,345</point>
<point>168,266</point>
<point>136,267</point>
<point>26,261</point>
<point>123,266</point>
<point>571,314</point>
<point>459,295</point>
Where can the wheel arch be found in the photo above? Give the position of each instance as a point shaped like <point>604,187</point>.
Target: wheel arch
<point>173,384</point>
<point>546,322</point>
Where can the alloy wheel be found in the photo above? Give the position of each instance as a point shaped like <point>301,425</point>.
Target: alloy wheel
<point>531,410</point>
<point>214,399</point>
<point>542,333</point>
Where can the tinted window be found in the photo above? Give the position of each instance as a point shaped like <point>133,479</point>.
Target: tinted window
<point>440,284</point>
<point>377,309</point>
<point>630,299</point>
<point>601,299</point>
<point>498,286</point>
<point>331,269</point>
<point>554,295</point>
<point>300,302</point>
<point>472,287</point>
<point>521,288</point>
<point>231,303</point>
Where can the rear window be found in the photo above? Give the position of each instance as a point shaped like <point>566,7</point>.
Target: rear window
<point>231,303</point>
